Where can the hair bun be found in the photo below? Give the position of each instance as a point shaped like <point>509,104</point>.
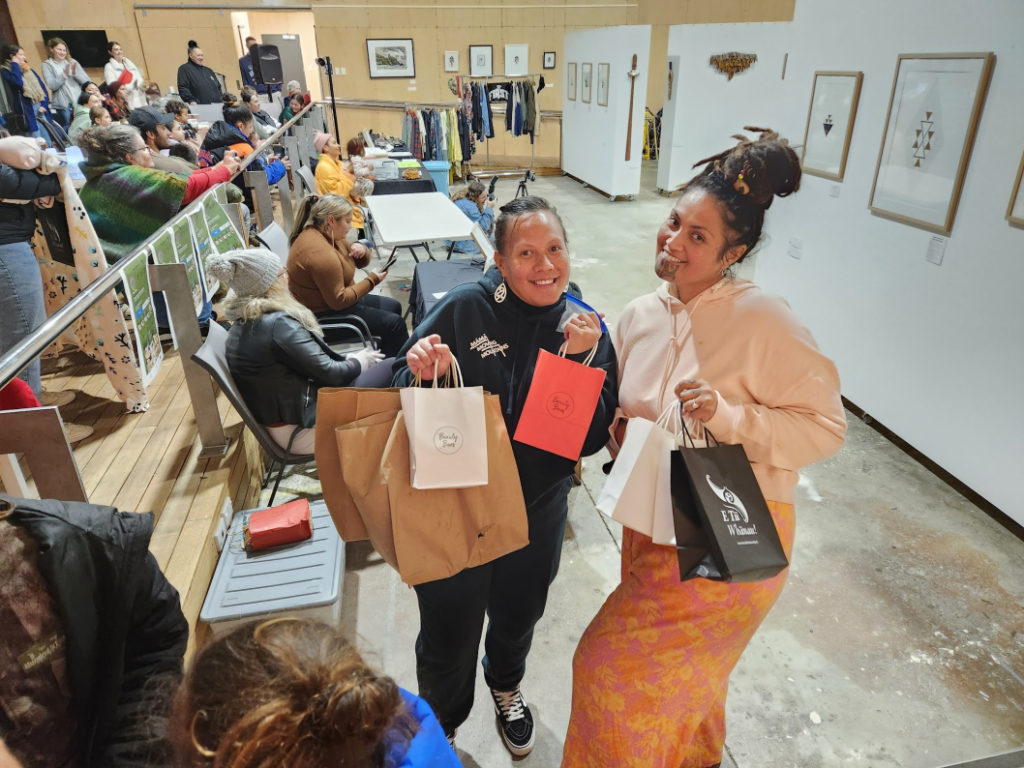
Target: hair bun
<point>758,169</point>
<point>193,44</point>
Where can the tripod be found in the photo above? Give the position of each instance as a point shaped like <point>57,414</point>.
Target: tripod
<point>523,191</point>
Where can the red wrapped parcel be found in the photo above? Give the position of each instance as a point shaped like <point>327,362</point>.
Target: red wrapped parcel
<point>278,525</point>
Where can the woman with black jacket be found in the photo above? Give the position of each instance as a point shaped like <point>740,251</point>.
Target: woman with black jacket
<point>21,286</point>
<point>276,352</point>
<point>495,328</point>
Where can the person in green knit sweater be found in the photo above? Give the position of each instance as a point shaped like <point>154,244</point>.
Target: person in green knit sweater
<point>126,197</point>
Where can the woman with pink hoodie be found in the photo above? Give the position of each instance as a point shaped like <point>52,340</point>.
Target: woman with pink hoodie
<point>651,672</point>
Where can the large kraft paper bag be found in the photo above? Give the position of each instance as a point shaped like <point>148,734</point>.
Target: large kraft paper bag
<point>337,407</point>
<point>440,532</point>
<point>361,445</point>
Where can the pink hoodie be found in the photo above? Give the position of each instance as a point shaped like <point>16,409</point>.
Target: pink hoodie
<point>778,395</point>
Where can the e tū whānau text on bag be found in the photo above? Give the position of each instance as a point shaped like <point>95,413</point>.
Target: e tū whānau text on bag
<point>733,513</point>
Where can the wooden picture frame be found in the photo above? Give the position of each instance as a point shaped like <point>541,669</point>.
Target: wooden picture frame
<point>604,73</point>
<point>390,57</point>
<point>481,60</point>
<point>570,88</point>
<point>451,61</point>
<point>549,59</point>
<point>1015,210</point>
<point>923,111</point>
<point>586,82</point>
<point>827,142</point>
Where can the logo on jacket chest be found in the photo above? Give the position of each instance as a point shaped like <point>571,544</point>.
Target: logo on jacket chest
<point>486,347</point>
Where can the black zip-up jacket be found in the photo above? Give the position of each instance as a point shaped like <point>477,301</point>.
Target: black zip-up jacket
<point>475,326</point>
<point>122,620</point>
<point>18,220</point>
<point>279,366</point>
<point>198,83</point>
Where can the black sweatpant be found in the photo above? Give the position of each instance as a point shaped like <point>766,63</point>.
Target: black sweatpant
<point>512,591</point>
<point>383,315</point>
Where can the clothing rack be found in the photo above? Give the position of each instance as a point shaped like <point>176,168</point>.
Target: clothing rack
<point>506,79</point>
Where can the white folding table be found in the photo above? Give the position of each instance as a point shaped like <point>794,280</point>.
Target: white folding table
<point>404,221</point>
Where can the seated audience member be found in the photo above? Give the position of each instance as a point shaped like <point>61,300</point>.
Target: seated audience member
<point>292,107</point>
<point>86,603</point>
<point>333,178</point>
<point>473,202</point>
<point>276,352</point>
<point>294,88</point>
<point>322,273</point>
<point>99,116</point>
<point>90,87</point>
<point>82,118</point>
<point>23,91</point>
<point>293,692</point>
<point>154,127</point>
<point>184,151</point>
<point>235,132</point>
<point>116,101</point>
<point>266,125</point>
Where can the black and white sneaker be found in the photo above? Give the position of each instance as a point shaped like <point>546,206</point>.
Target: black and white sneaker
<point>515,719</point>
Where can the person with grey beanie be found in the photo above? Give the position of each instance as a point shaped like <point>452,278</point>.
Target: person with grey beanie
<point>276,352</point>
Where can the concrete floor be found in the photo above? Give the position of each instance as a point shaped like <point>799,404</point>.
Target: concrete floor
<point>899,640</point>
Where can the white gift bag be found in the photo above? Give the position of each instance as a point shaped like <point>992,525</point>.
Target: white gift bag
<point>629,494</point>
<point>447,433</point>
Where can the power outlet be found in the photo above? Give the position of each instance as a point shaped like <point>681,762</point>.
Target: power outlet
<point>227,512</point>
<point>221,535</point>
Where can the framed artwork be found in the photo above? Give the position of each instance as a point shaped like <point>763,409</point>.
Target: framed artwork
<point>933,116</point>
<point>570,89</point>
<point>549,59</point>
<point>391,58</point>
<point>603,73</point>
<point>585,77</point>
<point>481,60</point>
<point>451,61</point>
<point>1015,211</point>
<point>834,97</point>
<point>517,59</point>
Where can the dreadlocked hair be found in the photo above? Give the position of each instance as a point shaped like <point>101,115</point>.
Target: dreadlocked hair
<point>745,179</point>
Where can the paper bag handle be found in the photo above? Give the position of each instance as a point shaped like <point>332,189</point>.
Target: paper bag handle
<point>458,379</point>
<point>589,359</point>
<point>685,432</point>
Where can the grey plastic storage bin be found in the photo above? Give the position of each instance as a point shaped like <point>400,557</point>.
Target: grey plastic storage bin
<point>300,579</point>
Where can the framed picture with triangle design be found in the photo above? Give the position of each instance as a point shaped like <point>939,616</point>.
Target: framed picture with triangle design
<point>834,99</point>
<point>934,111</point>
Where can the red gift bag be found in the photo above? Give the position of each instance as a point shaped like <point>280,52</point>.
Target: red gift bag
<point>561,403</point>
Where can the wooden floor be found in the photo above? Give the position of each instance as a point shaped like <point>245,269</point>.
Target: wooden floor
<point>149,462</point>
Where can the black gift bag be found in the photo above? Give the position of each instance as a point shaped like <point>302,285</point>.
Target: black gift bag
<point>724,529</point>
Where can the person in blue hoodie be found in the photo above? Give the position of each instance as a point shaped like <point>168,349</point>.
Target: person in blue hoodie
<point>293,692</point>
<point>473,202</point>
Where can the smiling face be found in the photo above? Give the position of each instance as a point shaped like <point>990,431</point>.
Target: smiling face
<point>535,260</point>
<point>93,89</point>
<point>296,104</point>
<point>94,101</point>
<point>196,54</point>
<point>19,58</point>
<point>116,53</point>
<point>693,247</point>
<point>59,52</point>
<point>332,148</point>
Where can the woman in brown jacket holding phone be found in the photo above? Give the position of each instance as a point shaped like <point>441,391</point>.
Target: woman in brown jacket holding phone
<point>322,273</point>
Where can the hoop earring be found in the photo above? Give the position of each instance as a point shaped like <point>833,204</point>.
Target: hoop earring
<point>501,293</point>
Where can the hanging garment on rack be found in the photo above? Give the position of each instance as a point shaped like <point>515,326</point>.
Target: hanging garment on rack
<point>486,129</point>
<point>529,109</point>
<point>518,130</point>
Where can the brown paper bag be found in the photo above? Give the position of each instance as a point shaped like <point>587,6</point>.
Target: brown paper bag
<point>361,446</point>
<point>440,532</point>
<point>336,407</point>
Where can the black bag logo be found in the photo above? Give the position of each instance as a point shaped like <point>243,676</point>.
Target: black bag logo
<point>731,500</point>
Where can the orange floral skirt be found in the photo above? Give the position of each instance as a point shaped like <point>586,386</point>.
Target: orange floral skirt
<point>651,672</point>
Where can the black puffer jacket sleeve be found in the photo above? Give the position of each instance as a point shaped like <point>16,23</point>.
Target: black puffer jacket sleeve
<point>17,184</point>
<point>155,645</point>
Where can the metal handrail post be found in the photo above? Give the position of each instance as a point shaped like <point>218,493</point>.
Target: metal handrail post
<point>172,279</point>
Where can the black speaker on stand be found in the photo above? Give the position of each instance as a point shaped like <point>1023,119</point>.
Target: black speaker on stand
<point>266,64</point>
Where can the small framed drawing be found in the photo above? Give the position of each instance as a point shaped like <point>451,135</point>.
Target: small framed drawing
<point>933,116</point>
<point>585,77</point>
<point>451,61</point>
<point>481,60</point>
<point>834,97</point>
<point>549,59</point>
<point>570,89</point>
<point>1015,212</point>
<point>391,58</point>
<point>603,73</point>
<point>517,59</point>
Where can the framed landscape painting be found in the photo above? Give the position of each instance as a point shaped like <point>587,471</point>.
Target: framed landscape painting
<point>391,58</point>
<point>934,110</point>
<point>834,97</point>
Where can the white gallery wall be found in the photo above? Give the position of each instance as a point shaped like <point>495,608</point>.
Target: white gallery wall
<point>593,136</point>
<point>934,352</point>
